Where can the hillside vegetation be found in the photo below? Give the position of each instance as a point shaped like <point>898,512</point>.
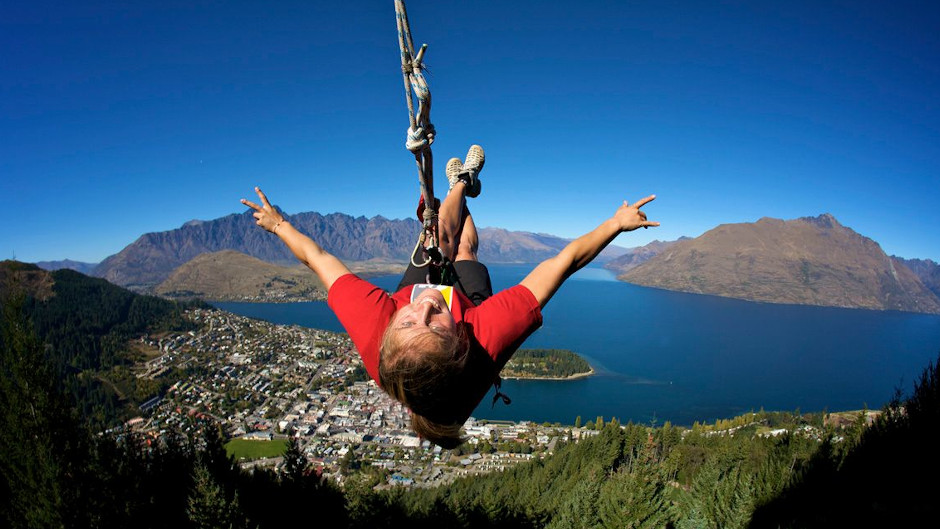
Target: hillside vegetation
<point>88,327</point>
<point>233,276</point>
<point>774,470</point>
<point>545,363</point>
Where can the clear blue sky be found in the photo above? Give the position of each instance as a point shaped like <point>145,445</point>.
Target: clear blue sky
<point>121,118</point>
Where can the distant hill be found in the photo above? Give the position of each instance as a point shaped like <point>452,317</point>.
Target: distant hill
<point>78,266</point>
<point>91,330</point>
<point>637,256</point>
<point>152,258</point>
<point>233,276</point>
<point>25,279</point>
<point>503,246</point>
<point>809,261</point>
<point>926,270</point>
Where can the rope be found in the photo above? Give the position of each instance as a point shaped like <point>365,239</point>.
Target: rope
<point>420,134</point>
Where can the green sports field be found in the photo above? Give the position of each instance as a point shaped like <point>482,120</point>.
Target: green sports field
<point>247,449</point>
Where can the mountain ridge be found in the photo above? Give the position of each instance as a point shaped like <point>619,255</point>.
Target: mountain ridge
<point>640,255</point>
<point>152,258</point>
<point>807,261</point>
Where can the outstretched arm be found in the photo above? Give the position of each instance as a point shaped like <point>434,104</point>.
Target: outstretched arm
<point>544,281</point>
<point>327,267</point>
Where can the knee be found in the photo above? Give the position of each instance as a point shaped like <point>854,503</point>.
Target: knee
<point>467,251</point>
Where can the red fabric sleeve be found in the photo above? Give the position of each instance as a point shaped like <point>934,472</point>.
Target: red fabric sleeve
<point>364,310</point>
<point>502,322</point>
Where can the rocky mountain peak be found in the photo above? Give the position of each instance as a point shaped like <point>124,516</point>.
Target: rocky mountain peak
<point>826,220</point>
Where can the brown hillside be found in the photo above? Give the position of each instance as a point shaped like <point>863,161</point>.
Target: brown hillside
<point>233,276</point>
<point>24,278</point>
<point>810,261</point>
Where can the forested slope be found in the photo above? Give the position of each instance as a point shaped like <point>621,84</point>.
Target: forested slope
<point>734,474</point>
<point>55,471</point>
<point>87,326</point>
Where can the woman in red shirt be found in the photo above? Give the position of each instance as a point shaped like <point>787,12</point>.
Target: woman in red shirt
<point>438,348</point>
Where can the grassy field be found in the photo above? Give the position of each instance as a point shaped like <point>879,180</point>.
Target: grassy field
<point>246,449</point>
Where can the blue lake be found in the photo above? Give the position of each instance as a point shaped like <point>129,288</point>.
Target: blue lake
<point>663,355</point>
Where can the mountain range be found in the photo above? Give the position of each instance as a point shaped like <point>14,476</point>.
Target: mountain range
<point>639,255</point>
<point>807,261</point>
<point>926,270</point>
<point>85,268</point>
<point>811,260</point>
<point>153,257</point>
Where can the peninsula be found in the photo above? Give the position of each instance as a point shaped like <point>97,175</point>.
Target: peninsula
<point>546,364</point>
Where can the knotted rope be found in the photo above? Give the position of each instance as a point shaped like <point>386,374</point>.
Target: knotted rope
<point>420,135</point>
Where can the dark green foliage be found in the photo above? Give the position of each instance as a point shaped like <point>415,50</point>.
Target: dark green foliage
<point>295,462</point>
<point>55,473</point>
<point>86,326</point>
<point>626,476</point>
<point>546,363</point>
<point>882,474</point>
<point>209,507</point>
<point>143,482</point>
<point>88,321</point>
<point>578,510</point>
<point>358,374</point>
<point>530,495</point>
<point>635,499</point>
<point>42,445</point>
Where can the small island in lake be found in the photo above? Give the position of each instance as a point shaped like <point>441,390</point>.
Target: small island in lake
<point>546,364</point>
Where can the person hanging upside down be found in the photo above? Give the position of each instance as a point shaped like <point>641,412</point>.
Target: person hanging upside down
<point>438,343</point>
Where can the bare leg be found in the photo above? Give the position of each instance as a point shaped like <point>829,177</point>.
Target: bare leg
<point>468,241</point>
<point>450,221</point>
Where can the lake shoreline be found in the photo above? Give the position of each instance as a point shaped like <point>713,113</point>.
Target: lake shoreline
<point>575,376</point>
<point>838,360</point>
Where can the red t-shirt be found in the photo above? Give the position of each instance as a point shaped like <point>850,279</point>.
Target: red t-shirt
<point>496,327</point>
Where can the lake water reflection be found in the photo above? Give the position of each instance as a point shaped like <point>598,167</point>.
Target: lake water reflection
<point>682,357</point>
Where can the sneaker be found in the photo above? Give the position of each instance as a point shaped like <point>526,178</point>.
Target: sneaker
<point>475,160</point>
<point>452,170</point>
<point>470,171</point>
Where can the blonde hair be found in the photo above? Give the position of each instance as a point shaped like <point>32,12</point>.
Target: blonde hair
<point>424,373</point>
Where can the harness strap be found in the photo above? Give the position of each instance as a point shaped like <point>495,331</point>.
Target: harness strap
<point>499,394</point>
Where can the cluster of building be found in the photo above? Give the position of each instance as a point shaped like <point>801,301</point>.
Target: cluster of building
<point>265,382</point>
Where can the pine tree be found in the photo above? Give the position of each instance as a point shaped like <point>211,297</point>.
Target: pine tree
<point>694,519</point>
<point>295,462</point>
<point>579,511</point>
<point>634,500</point>
<point>214,455</point>
<point>209,507</point>
<point>722,493</point>
<point>43,447</point>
